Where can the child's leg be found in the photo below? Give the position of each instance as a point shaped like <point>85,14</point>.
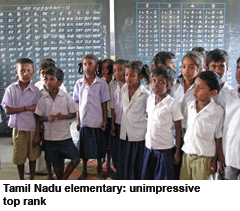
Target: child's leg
<point>21,171</point>
<point>99,167</point>
<point>49,171</point>
<point>84,171</point>
<point>59,168</point>
<point>71,166</point>
<point>32,166</point>
<point>109,156</point>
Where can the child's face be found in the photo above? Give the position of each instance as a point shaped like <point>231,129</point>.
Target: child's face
<point>24,72</point>
<point>118,72</point>
<point>159,85</point>
<point>43,74</point>
<point>104,70</point>
<point>219,67</point>
<point>132,78</point>
<point>202,91</point>
<point>238,73</point>
<point>171,63</point>
<point>51,82</point>
<point>189,69</point>
<point>89,66</point>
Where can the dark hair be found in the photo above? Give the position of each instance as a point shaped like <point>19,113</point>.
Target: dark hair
<point>238,60</point>
<point>88,56</point>
<point>25,61</point>
<point>212,79</point>
<point>217,55</point>
<point>200,50</point>
<point>49,60</point>
<point>162,57</point>
<point>110,66</point>
<point>57,72</point>
<point>167,73</point>
<point>122,62</point>
<point>142,69</point>
<point>47,65</point>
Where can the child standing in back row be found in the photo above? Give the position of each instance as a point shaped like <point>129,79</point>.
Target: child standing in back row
<point>19,101</point>
<point>164,115</point>
<point>134,122</point>
<point>91,93</point>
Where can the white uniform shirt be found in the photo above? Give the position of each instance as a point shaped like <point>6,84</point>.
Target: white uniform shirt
<point>116,101</point>
<point>57,130</point>
<point>177,92</point>
<point>161,117</point>
<point>134,121</point>
<point>218,98</point>
<point>202,129</point>
<point>231,130</point>
<point>90,99</point>
<point>42,89</point>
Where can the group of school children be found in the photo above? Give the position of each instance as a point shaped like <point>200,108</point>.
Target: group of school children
<point>150,125</point>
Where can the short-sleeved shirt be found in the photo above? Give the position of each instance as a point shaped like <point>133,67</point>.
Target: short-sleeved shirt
<point>231,130</point>
<point>14,97</point>
<point>57,130</point>
<point>134,120</point>
<point>42,89</point>
<point>90,99</point>
<point>177,92</point>
<point>203,128</point>
<point>116,101</point>
<point>161,118</point>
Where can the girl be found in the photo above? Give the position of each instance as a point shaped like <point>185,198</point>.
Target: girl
<point>91,93</point>
<point>134,121</point>
<point>119,67</point>
<point>106,71</point>
<point>164,115</point>
<point>182,91</point>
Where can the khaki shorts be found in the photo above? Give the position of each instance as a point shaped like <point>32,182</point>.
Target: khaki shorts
<point>195,167</point>
<point>23,147</point>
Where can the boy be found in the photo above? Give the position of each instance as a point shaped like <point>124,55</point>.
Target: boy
<point>55,109</point>
<point>217,61</point>
<point>164,115</point>
<point>19,101</point>
<point>231,131</point>
<point>202,140</point>
<point>163,58</point>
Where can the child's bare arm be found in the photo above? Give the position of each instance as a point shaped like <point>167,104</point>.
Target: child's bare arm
<point>113,122</point>
<point>104,108</point>
<point>221,158</point>
<point>59,116</point>
<point>178,129</point>
<point>9,110</point>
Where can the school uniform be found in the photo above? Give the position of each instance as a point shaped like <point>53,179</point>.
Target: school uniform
<point>231,133</point>
<point>133,130</point>
<point>199,141</point>
<point>116,104</point>
<point>159,152</point>
<point>24,123</point>
<point>218,98</point>
<point>91,143</point>
<point>43,90</point>
<point>57,137</point>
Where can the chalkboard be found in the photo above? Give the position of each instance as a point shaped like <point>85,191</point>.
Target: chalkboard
<point>62,30</point>
<point>144,28</point>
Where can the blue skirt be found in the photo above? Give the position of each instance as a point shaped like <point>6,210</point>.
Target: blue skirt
<point>130,160</point>
<point>158,165</point>
<point>91,144</point>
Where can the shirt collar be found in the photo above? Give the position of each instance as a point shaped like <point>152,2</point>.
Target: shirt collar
<point>209,107</point>
<point>97,79</point>
<point>30,86</point>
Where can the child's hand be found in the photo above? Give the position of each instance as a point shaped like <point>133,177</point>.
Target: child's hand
<point>177,158</point>
<point>59,116</point>
<point>36,140</point>
<point>221,163</point>
<point>51,118</point>
<point>113,130</point>
<point>104,124</point>
<point>213,166</point>
<point>78,125</point>
<point>31,108</point>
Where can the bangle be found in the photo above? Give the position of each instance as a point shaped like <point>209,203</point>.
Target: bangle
<point>24,108</point>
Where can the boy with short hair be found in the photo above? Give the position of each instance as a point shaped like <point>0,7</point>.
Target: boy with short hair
<point>218,61</point>
<point>19,101</point>
<point>55,109</point>
<point>163,58</point>
<point>202,141</point>
<point>231,131</point>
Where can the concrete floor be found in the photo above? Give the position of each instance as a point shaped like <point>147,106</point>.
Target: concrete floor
<point>8,170</point>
